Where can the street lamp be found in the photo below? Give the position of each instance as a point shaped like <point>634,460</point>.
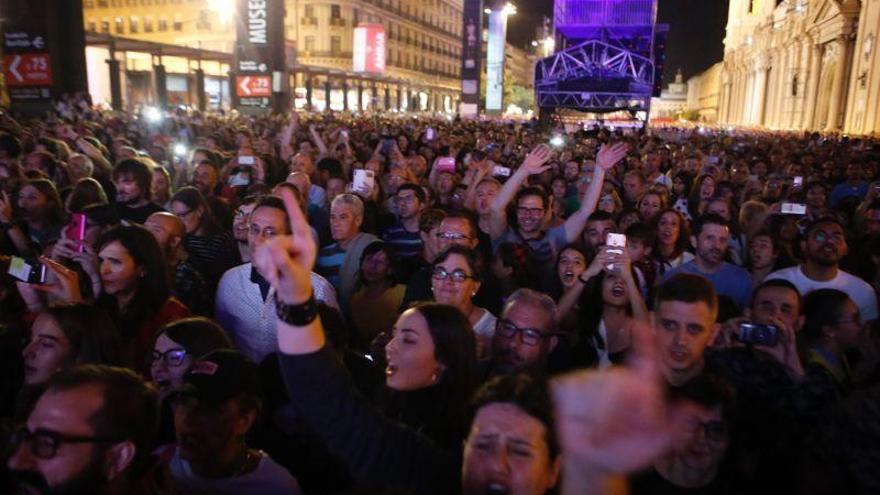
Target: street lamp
<point>224,8</point>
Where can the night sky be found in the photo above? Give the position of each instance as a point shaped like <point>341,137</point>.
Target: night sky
<point>695,34</point>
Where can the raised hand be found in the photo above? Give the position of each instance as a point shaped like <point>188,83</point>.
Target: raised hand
<point>608,156</point>
<point>286,260</point>
<point>536,160</point>
<point>618,421</point>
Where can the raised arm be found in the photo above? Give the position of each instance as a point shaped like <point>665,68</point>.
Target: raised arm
<point>319,141</point>
<point>607,158</point>
<point>535,163</point>
<point>377,450</point>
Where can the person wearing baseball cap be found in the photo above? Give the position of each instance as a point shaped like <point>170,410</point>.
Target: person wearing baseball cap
<point>215,407</point>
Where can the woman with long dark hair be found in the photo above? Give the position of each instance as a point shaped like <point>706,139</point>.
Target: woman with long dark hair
<point>673,239</point>
<point>609,302</point>
<point>832,327</point>
<point>136,289</point>
<point>211,248</point>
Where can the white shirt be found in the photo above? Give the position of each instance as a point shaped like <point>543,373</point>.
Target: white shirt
<point>250,321</point>
<point>268,478</point>
<point>857,289</point>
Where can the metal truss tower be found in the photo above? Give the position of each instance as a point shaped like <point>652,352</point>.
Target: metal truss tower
<point>609,57</point>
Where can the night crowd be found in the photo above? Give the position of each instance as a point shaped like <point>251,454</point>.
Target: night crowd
<point>328,303</point>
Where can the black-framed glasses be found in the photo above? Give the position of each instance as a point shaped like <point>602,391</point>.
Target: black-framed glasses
<point>457,276</point>
<point>529,336</point>
<point>44,443</point>
<point>715,431</point>
<point>172,357</point>
<point>533,212</point>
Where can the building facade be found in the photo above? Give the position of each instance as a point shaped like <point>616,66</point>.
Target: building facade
<point>703,94</point>
<point>423,45</point>
<point>672,101</point>
<point>802,65</point>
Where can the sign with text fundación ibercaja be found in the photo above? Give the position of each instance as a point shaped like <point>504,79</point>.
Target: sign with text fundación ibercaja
<point>260,72</point>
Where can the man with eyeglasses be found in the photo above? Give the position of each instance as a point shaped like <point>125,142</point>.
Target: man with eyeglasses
<point>90,432</point>
<point>457,228</point>
<point>245,303</point>
<point>824,246</point>
<point>525,334</point>
<point>531,206</point>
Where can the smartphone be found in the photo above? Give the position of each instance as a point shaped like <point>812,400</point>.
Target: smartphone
<point>240,179</point>
<point>755,334</point>
<point>387,144</point>
<point>713,160</point>
<point>344,133</point>
<point>246,160</point>
<point>429,134</point>
<point>499,171</point>
<point>793,209</point>
<point>76,230</point>
<point>446,164</point>
<point>364,180</point>
<point>798,182</point>
<point>616,241</point>
<point>29,271</point>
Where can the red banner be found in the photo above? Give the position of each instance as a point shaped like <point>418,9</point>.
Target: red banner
<point>369,48</point>
<point>253,86</point>
<point>28,69</point>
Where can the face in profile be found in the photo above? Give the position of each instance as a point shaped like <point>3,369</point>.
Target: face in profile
<point>410,354</point>
<point>506,452</point>
<point>48,351</point>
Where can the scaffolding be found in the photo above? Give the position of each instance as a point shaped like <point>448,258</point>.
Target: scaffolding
<point>609,58</point>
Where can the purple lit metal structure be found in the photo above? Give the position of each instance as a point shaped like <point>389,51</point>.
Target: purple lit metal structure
<point>609,57</point>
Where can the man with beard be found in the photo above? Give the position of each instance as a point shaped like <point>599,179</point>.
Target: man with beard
<point>206,178</point>
<point>824,245</point>
<point>710,239</point>
<point>525,334</point>
<point>214,409</point>
<point>90,432</point>
<point>133,178</point>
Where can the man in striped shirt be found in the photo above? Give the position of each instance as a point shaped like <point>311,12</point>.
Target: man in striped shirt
<point>404,236</point>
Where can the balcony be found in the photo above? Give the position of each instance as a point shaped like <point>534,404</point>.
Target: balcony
<point>337,21</point>
<point>325,54</point>
<point>309,21</point>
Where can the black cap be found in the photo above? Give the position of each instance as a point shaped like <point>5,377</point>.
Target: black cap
<point>221,375</point>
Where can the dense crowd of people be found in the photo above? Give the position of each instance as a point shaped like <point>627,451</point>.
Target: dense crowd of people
<point>330,303</point>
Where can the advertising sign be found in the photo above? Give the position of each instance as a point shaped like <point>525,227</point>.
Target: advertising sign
<point>471,58</point>
<point>495,61</point>
<point>369,48</point>
<point>27,65</point>
<point>259,51</point>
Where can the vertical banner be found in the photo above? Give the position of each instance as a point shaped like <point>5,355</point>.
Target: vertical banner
<point>369,49</point>
<point>471,58</point>
<point>259,53</point>
<point>495,61</point>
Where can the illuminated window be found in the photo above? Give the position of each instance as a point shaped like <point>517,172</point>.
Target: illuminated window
<point>120,25</point>
<point>133,24</point>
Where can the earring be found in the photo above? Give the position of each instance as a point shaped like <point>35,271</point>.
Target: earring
<point>434,378</point>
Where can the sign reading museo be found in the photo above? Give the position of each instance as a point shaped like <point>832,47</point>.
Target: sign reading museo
<point>260,35</point>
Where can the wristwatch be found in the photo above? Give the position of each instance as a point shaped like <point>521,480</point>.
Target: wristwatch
<point>298,315</point>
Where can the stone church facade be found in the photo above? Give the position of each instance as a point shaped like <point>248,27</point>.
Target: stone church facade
<point>802,65</point>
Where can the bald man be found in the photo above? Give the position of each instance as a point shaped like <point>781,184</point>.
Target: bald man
<point>188,283</point>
